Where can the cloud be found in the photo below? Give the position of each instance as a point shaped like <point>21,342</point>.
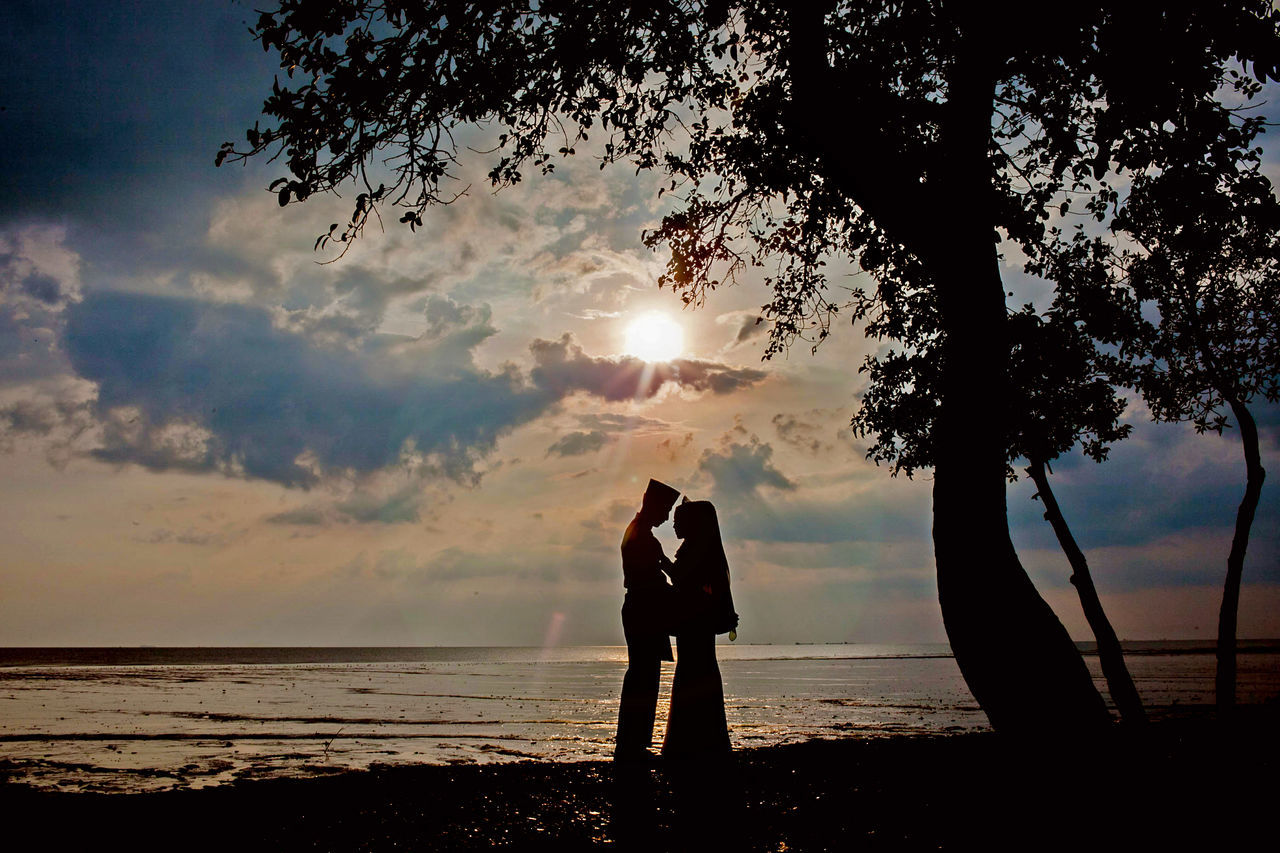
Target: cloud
<point>806,435</point>
<point>362,507</point>
<point>39,277</point>
<point>189,536</point>
<point>562,367</point>
<point>306,516</point>
<point>1267,416</point>
<point>740,470</point>
<point>746,325</point>
<point>1172,480</point>
<point>398,508</point>
<point>578,443</point>
<point>672,448</point>
<point>609,422</point>
<point>57,414</point>
<point>759,503</point>
<point>183,384</point>
<point>202,387</point>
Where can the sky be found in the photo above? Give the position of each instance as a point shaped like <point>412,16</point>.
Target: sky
<point>209,438</point>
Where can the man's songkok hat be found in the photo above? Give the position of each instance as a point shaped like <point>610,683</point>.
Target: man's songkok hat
<point>660,494</point>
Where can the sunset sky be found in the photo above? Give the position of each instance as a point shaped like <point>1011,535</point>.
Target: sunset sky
<point>210,439</point>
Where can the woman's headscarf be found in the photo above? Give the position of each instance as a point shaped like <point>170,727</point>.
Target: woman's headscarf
<point>703,552</point>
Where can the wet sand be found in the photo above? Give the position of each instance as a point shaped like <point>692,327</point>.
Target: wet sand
<point>1185,784</point>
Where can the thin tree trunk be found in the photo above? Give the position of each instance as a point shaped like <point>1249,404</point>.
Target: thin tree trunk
<point>1111,656</point>
<point>1014,653</point>
<point>1225,683</point>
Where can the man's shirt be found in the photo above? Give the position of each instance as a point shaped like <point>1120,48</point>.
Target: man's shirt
<point>642,557</point>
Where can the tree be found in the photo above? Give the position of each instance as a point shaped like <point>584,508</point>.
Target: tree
<point>1192,300</point>
<point>1063,385</point>
<point>806,131</point>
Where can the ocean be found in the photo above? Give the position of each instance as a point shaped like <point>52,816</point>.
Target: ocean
<point>134,719</point>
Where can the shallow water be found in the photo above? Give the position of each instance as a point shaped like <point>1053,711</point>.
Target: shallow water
<point>143,719</point>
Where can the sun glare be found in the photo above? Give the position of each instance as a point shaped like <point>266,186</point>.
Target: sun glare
<point>654,336</point>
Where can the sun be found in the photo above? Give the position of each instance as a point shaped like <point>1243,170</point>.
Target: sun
<point>654,336</point>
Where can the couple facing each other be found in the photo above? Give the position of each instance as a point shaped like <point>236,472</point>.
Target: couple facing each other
<point>694,606</point>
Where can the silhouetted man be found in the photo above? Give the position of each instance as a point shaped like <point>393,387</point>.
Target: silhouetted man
<point>645,616</point>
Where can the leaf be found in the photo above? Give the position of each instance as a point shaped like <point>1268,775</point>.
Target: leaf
<point>283,197</point>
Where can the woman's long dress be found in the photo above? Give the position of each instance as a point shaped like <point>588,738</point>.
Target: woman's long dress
<point>696,723</point>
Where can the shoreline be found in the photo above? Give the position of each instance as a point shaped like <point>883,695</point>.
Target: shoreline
<point>38,657</point>
<point>1180,784</point>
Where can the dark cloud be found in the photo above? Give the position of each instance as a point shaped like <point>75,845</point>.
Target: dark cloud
<point>578,443</point>
<point>563,368</point>
<point>244,397</point>
<point>398,508</point>
<point>1154,484</point>
<point>611,423</point>
<point>672,448</point>
<point>750,328</point>
<point>38,416</point>
<point>304,516</point>
<point>42,288</point>
<point>356,303</point>
<point>857,518</point>
<point>618,512</point>
<point>31,305</point>
<point>444,315</point>
<point>806,435</point>
<point>189,536</point>
<point>738,470</point>
<point>1267,416</point>
<point>362,508</point>
<point>195,386</point>
<point>56,420</point>
<point>758,502</point>
<point>747,325</point>
<point>28,345</point>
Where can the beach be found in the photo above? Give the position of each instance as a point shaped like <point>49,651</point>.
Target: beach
<point>1186,784</point>
<point>137,720</point>
<point>835,747</point>
<point>132,720</point>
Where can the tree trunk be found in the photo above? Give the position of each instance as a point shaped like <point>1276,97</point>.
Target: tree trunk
<point>1225,683</point>
<point>1014,653</point>
<point>1119,681</point>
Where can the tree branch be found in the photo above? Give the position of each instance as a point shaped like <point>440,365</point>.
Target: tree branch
<point>860,162</point>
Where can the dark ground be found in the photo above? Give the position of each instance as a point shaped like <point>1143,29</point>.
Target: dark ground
<point>1190,784</point>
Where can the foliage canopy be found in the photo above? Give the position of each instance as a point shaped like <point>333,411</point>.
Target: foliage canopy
<point>791,135</point>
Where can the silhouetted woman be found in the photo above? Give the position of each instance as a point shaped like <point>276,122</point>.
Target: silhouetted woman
<point>696,725</point>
